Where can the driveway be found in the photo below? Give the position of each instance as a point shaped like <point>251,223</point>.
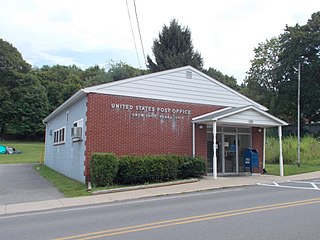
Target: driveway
<point>19,183</point>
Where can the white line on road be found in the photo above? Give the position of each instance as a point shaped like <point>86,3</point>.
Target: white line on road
<point>315,186</point>
<point>274,184</point>
<point>303,182</point>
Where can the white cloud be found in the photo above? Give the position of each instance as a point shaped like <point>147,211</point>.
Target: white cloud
<point>224,32</point>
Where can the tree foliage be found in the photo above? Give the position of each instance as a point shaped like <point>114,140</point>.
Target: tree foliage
<point>173,49</point>
<point>223,78</point>
<point>273,77</point>
<point>119,70</point>
<point>15,85</point>
<point>60,82</point>
<point>261,82</point>
<point>300,44</point>
<point>29,109</point>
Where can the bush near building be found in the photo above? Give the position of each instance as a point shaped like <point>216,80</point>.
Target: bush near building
<point>103,168</point>
<point>145,169</point>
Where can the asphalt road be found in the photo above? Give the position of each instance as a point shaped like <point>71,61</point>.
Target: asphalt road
<point>19,183</point>
<point>256,212</point>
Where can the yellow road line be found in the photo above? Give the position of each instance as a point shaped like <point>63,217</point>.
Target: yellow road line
<point>192,219</point>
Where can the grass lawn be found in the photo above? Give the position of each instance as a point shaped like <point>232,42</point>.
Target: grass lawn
<point>67,186</point>
<point>274,169</point>
<point>31,152</point>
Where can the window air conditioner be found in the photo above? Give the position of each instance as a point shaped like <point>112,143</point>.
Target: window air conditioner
<point>76,133</point>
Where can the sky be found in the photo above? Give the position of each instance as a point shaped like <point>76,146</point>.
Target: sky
<point>88,33</point>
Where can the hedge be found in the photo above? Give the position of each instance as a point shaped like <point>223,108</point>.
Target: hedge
<point>103,168</point>
<point>192,167</point>
<point>158,168</point>
<point>106,169</point>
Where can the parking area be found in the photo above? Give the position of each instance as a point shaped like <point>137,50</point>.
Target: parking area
<point>306,185</point>
<point>19,183</point>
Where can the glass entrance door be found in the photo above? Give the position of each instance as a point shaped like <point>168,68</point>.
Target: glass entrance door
<point>230,154</point>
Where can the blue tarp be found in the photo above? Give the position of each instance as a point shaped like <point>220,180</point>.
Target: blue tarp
<point>3,149</point>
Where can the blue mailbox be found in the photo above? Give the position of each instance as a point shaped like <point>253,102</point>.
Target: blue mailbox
<point>250,159</point>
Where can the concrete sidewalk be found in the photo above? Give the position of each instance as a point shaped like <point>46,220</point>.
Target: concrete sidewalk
<point>204,184</point>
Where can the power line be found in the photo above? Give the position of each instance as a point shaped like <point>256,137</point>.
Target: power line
<point>135,9</point>
<point>134,40</point>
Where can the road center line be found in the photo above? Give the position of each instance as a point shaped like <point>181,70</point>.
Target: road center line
<point>192,219</point>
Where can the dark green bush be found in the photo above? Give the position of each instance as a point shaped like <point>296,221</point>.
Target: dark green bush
<point>162,168</point>
<point>143,169</point>
<point>132,169</point>
<point>191,167</point>
<point>158,168</point>
<point>103,168</point>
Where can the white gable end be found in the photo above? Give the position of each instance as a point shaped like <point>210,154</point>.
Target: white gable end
<point>176,85</point>
<point>251,117</point>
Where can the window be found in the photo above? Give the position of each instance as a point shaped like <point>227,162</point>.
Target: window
<point>78,123</point>
<point>59,136</point>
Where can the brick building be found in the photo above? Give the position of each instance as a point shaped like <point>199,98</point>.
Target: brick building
<point>178,111</point>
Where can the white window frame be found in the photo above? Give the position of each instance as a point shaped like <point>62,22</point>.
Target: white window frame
<point>78,123</point>
<point>59,136</point>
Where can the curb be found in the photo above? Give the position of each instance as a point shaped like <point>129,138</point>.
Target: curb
<point>139,187</point>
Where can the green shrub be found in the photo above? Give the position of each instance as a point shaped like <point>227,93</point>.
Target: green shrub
<point>158,168</point>
<point>162,168</point>
<point>132,169</point>
<point>192,167</point>
<point>103,168</point>
<point>143,169</point>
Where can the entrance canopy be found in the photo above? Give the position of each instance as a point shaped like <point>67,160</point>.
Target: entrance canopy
<point>247,116</point>
<point>240,116</point>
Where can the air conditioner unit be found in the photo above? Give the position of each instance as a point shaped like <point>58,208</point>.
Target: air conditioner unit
<point>76,133</point>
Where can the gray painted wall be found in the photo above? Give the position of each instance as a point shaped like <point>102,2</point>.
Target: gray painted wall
<point>67,158</point>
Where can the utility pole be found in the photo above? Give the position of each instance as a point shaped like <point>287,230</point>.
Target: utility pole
<point>299,69</point>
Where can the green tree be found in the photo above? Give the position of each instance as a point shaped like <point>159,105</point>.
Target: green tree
<point>11,60</point>
<point>94,75</point>
<point>261,82</point>
<point>300,44</point>
<point>29,109</point>
<point>223,78</point>
<point>173,49</point>
<point>12,74</point>
<point>115,71</point>
<point>60,82</point>
<point>119,70</point>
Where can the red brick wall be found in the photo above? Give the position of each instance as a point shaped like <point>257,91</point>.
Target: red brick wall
<point>257,143</point>
<point>117,131</point>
